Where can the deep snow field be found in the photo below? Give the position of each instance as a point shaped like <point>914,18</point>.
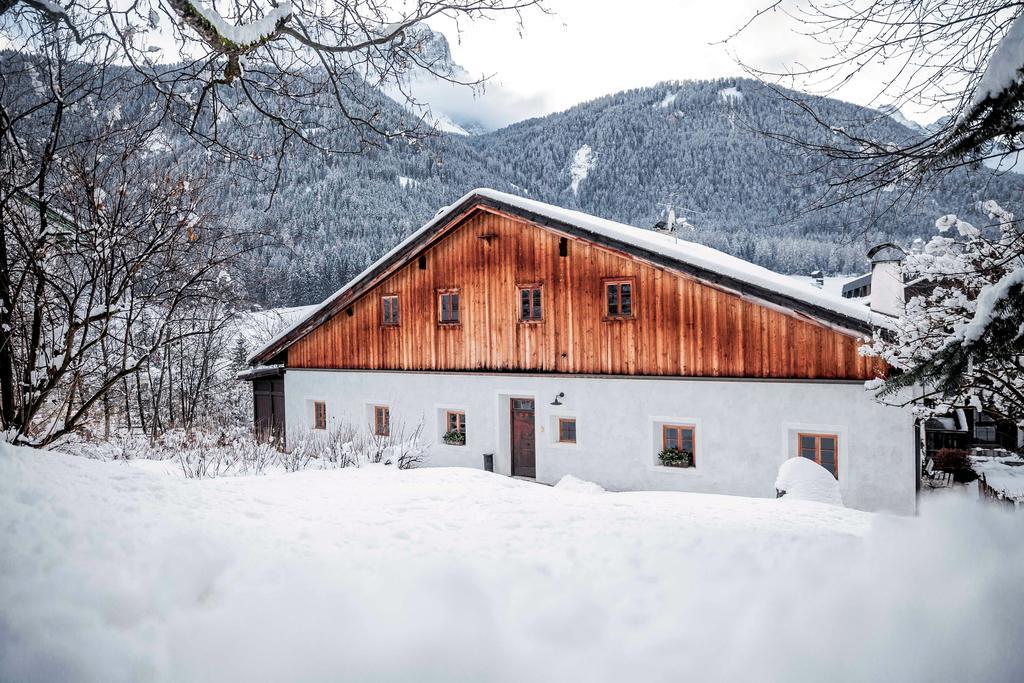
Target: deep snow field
<point>110,572</point>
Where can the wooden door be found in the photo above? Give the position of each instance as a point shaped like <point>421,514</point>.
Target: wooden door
<point>268,406</point>
<point>524,445</point>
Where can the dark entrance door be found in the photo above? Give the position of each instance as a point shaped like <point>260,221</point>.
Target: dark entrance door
<point>268,403</point>
<point>524,453</point>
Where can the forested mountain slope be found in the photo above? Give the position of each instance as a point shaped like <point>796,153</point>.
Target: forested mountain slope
<point>693,145</point>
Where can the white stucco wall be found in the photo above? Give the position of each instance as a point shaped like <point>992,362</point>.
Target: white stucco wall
<point>745,429</point>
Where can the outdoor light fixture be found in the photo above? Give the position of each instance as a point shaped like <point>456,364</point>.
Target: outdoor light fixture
<point>556,402</point>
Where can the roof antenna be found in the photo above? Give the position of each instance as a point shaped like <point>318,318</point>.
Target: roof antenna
<point>673,223</point>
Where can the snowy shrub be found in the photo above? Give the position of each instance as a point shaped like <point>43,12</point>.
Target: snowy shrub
<point>957,462</point>
<point>803,479</point>
<point>394,448</point>
<point>328,448</point>
<point>228,450</point>
<point>675,457</point>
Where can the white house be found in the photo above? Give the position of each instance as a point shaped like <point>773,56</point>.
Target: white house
<point>559,343</point>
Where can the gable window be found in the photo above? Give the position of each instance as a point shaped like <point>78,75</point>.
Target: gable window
<point>566,430</point>
<point>448,306</point>
<point>319,415</point>
<point>389,309</point>
<point>822,449</point>
<point>530,309</point>
<point>381,421</point>
<point>619,298</point>
<point>678,446</point>
<point>455,424</point>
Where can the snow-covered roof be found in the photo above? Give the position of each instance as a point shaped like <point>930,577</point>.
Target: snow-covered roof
<point>727,271</point>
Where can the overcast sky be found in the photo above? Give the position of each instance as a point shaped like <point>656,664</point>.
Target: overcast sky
<point>591,48</point>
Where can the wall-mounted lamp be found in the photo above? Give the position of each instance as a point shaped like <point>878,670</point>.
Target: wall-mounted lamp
<point>556,402</point>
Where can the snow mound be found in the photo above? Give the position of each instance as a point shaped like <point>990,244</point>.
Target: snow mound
<point>1003,473</point>
<point>577,485</point>
<point>804,479</point>
<point>108,573</point>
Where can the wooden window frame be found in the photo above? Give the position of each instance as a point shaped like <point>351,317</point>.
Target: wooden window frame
<point>817,436</point>
<point>563,420</point>
<point>440,308</point>
<point>383,311</point>
<point>378,411</point>
<point>605,283</point>
<point>320,411</point>
<point>692,428</point>
<point>449,414</point>
<point>529,286</point>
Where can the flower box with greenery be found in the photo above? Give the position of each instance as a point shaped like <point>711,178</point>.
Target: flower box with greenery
<point>454,438</point>
<point>675,457</point>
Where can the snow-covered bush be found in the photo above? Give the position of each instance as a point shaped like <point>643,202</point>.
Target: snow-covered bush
<point>230,450</point>
<point>330,448</point>
<point>394,448</point>
<point>803,479</point>
<point>961,337</point>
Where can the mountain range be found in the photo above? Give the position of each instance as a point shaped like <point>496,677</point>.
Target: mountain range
<point>694,148</point>
<point>694,152</point>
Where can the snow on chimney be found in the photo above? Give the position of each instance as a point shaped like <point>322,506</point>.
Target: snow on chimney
<point>887,290</point>
<point>818,278</point>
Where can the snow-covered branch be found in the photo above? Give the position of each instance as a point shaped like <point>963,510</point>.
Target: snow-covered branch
<point>230,38</point>
<point>961,339</point>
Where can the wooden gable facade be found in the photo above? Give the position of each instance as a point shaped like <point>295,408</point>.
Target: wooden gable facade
<point>681,325</point>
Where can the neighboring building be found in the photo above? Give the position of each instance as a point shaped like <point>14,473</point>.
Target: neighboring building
<point>885,290</point>
<point>858,288</point>
<point>968,429</point>
<point>560,343</point>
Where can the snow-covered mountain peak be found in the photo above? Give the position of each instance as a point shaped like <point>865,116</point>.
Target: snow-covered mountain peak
<point>433,50</point>
<point>894,113</point>
<point>466,106</point>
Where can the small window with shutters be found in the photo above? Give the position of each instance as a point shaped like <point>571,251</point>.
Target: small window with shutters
<point>530,304</point>
<point>620,298</point>
<point>822,449</point>
<point>381,421</point>
<point>389,310</point>
<point>319,415</point>
<point>448,307</point>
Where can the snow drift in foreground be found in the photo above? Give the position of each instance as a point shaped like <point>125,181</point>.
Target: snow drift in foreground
<point>804,479</point>
<point>111,573</point>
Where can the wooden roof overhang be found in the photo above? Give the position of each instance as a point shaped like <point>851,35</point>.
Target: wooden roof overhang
<point>455,215</point>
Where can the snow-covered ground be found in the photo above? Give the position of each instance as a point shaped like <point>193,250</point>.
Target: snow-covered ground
<point>113,573</point>
<point>833,283</point>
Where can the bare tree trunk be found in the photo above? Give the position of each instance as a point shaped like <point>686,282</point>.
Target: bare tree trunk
<point>7,405</point>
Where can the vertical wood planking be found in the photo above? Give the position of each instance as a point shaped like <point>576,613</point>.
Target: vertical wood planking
<point>681,326</point>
